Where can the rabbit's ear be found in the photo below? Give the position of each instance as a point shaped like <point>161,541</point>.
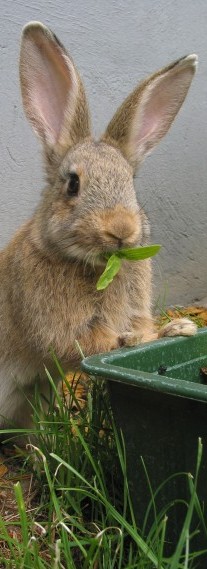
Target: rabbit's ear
<point>146,115</point>
<point>53,95</point>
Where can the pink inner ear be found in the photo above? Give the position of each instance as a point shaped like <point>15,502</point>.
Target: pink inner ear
<point>47,76</point>
<point>159,106</point>
<point>148,127</point>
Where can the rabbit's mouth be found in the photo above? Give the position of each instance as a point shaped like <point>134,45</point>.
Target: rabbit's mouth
<point>96,256</point>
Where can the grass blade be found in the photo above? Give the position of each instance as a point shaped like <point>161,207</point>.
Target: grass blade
<point>186,526</point>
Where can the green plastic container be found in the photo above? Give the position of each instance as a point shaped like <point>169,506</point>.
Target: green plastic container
<point>159,400</point>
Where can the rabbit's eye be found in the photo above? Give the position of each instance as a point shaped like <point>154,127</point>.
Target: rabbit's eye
<point>73,184</point>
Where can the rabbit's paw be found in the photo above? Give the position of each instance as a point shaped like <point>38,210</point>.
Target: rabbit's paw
<point>178,327</point>
<point>129,339</point>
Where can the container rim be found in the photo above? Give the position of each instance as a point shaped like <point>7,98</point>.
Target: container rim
<point>102,365</point>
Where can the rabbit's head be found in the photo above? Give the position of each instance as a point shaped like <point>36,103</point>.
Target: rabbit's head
<point>89,205</point>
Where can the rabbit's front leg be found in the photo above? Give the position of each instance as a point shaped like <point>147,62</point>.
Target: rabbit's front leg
<point>99,338</point>
<point>178,327</point>
<point>142,330</point>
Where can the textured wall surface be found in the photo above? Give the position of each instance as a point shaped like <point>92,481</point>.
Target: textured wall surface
<point>115,43</point>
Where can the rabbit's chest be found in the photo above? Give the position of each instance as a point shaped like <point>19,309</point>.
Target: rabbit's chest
<point>69,305</point>
<point>78,306</point>
<point>114,306</point>
<point>87,307</point>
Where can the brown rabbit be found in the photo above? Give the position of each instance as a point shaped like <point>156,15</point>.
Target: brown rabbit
<point>49,270</point>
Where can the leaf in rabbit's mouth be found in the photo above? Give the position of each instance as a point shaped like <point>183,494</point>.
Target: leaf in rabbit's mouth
<point>114,262</point>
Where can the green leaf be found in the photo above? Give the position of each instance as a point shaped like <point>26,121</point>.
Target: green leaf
<point>114,262</point>
<point>138,253</point>
<point>112,267</point>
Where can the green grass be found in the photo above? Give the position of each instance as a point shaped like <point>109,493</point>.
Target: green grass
<point>82,516</point>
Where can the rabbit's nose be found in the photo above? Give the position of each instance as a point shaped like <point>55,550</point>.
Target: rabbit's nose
<point>120,227</point>
<point>118,241</point>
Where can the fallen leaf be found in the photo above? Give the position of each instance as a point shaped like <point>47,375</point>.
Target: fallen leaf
<point>3,470</point>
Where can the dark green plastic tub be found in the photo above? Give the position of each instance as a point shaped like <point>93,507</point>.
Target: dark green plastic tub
<point>159,400</point>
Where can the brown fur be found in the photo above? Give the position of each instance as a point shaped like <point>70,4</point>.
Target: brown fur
<point>49,270</point>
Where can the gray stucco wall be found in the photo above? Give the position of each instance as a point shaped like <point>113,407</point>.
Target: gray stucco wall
<point>115,44</point>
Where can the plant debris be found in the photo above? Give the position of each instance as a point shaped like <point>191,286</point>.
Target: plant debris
<point>197,314</point>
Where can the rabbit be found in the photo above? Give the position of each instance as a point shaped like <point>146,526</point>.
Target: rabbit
<point>49,270</point>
